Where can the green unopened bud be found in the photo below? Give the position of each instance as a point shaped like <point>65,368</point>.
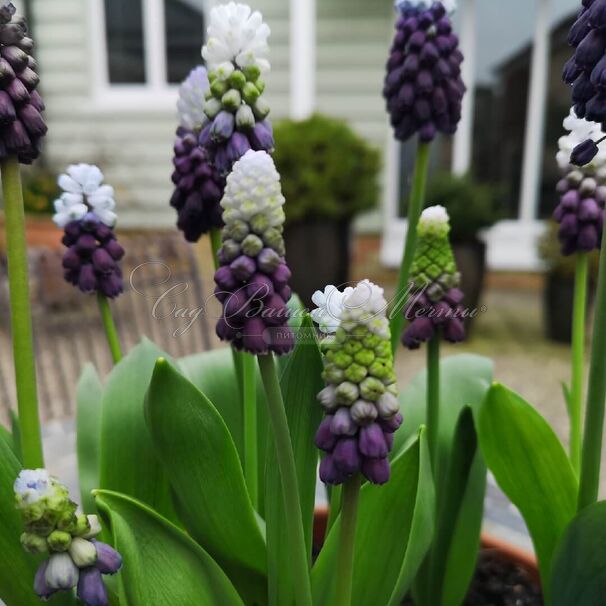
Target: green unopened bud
<point>212,107</point>
<point>67,521</point>
<point>250,93</point>
<point>224,70</point>
<point>341,336</point>
<point>363,412</point>
<point>332,374</point>
<point>32,513</point>
<point>365,357</point>
<point>231,100</point>
<point>59,540</point>
<point>212,76</point>
<point>328,398</point>
<point>372,389</point>
<point>355,372</point>
<point>237,230</point>
<point>94,526</point>
<point>252,72</point>
<point>252,245</point>
<point>61,572</point>
<point>347,393</point>
<point>259,224</point>
<point>231,249</point>
<point>352,347</point>
<point>261,109</point>
<point>219,88</point>
<point>371,341</point>
<point>82,526</point>
<point>260,84</point>
<point>383,350</point>
<point>33,543</point>
<point>83,552</point>
<point>342,360</point>
<point>245,117</point>
<point>237,80</point>
<point>274,239</point>
<point>388,405</point>
<point>380,369</point>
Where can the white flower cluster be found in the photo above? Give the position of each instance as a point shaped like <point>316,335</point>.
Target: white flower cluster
<point>192,94</point>
<point>580,130</point>
<point>364,304</point>
<point>236,35</point>
<point>449,5</point>
<point>32,485</point>
<point>83,192</point>
<point>253,188</point>
<point>434,217</point>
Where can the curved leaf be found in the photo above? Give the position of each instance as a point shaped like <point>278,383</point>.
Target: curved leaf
<point>530,466</point>
<point>393,534</point>
<point>162,565</point>
<point>579,565</point>
<point>128,463</point>
<point>301,381</point>
<point>196,449</point>
<point>88,435</point>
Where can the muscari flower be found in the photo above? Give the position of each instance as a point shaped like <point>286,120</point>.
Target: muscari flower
<point>235,110</point>
<point>423,86</point>
<point>580,212</point>
<point>198,185</point>
<point>85,211</point>
<point>435,300</point>
<point>21,124</point>
<point>53,526</point>
<point>252,280</point>
<point>586,72</point>
<point>360,397</point>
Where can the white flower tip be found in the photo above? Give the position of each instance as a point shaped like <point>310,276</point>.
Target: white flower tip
<point>330,306</point>
<point>434,215</point>
<point>192,92</point>
<point>32,485</point>
<point>367,297</point>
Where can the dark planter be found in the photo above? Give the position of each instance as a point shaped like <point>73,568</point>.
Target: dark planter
<point>558,301</point>
<point>471,261</point>
<point>318,253</point>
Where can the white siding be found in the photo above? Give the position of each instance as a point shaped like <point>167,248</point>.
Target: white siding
<point>134,146</point>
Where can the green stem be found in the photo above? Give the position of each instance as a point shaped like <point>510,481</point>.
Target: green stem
<point>21,316</point>
<point>249,400</point>
<point>415,208</point>
<point>111,333</point>
<point>578,359</point>
<point>215,244</point>
<point>288,474</point>
<point>596,396</point>
<point>334,508</point>
<point>433,400</point>
<point>347,541</point>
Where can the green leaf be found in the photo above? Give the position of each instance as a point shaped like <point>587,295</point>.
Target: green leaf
<point>16,432</point>
<point>531,467</point>
<point>128,462</point>
<point>579,565</point>
<point>394,531</point>
<point>464,381</point>
<point>301,381</point>
<point>196,449</point>
<point>567,397</point>
<point>89,396</point>
<point>7,437</point>
<point>162,565</point>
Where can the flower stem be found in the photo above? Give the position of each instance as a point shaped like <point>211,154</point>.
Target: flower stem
<point>578,359</point>
<point>433,400</point>
<point>417,201</point>
<point>249,400</point>
<point>347,541</point>
<point>288,474</point>
<point>111,333</point>
<point>596,397</point>
<point>215,244</point>
<point>21,316</point>
<point>334,507</point>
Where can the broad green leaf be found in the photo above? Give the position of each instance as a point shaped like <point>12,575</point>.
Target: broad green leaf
<point>393,534</point>
<point>88,421</point>
<point>579,565</point>
<point>301,381</point>
<point>17,568</point>
<point>531,467</point>
<point>464,381</point>
<point>128,463</point>
<point>162,565</point>
<point>195,447</point>
<point>7,437</point>
<point>16,432</point>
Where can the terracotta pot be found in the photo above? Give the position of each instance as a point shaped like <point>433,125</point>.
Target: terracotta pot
<point>40,232</point>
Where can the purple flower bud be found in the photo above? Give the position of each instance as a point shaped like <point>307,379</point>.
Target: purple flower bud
<point>259,287</point>
<point>254,336</point>
<point>91,589</point>
<point>342,424</point>
<point>325,439</point>
<point>282,340</point>
<point>454,296</point>
<point>33,121</point>
<point>588,210</point>
<point>102,261</point>
<point>268,260</point>
<point>243,267</point>
<point>87,282</point>
<point>109,561</point>
<point>372,441</point>
<point>584,153</point>
<point>113,248</point>
<point>236,147</point>
<point>262,137</point>
<point>346,456</point>
<point>222,127</point>
<point>454,330</point>
<point>42,589</point>
<point>588,239</point>
<point>224,278</point>
<point>376,471</point>
<point>391,425</point>
<point>329,474</point>
<point>419,331</point>
<point>236,305</point>
<point>275,312</point>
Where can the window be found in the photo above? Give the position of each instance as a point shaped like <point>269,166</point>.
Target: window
<point>152,43</point>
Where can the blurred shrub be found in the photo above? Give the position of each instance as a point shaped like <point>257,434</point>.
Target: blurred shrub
<point>472,206</point>
<point>40,190</point>
<point>327,170</point>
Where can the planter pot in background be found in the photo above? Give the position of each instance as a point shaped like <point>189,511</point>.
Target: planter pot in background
<point>471,261</point>
<point>318,253</point>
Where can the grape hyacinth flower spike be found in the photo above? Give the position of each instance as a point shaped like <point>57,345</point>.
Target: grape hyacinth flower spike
<point>423,86</point>
<point>361,397</point>
<point>252,280</point>
<point>580,212</point>
<point>53,527</point>
<point>435,301</point>
<point>235,110</point>
<point>21,124</point>
<point>85,211</point>
<point>198,185</point>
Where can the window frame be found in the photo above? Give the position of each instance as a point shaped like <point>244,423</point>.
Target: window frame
<point>156,94</point>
